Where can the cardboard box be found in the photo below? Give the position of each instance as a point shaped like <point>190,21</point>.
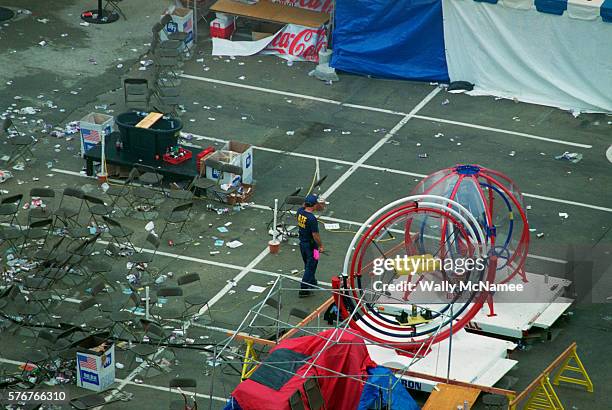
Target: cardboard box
<point>245,152</point>
<point>226,157</point>
<point>182,22</point>
<point>94,127</point>
<point>234,153</point>
<point>95,359</point>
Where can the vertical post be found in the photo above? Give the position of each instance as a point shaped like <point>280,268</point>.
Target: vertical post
<point>317,170</point>
<point>450,345</point>
<point>147,302</point>
<point>103,157</point>
<point>274,231</point>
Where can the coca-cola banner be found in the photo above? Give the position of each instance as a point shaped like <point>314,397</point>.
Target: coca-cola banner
<point>325,6</point>
<point>293,43</point>
<point>298,43</point>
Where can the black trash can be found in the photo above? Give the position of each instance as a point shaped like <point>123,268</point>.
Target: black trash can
<point>147,143</point>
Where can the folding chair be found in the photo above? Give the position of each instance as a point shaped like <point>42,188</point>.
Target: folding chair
<point>200,184</point>
<point>97,208</point>
<point>122,192</point>
<point>195,299</point>
<point>47,195</point>
<point>9,129</point>
<point>120,234</point>
<point>21,144</point>
<point>56,343</point>
<point>70,207</point>
<point>148,175</point>
<point>37,231</point>
<point>180,383</point>
<point>181,195</point>
<point>142,258</point>
<point>147,351</point>
<point>178,216</point>
<point>136,94</point>
<point>114,4</point>
<point>39,291</point>
<point>9,208</point>
<point>144,196</point>
<point>169,312</point>
<point>10,236</point>
<point>95,267</point>
<point>217,192</point>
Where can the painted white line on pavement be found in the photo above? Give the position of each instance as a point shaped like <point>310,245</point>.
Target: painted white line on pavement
<point>379,144</point>
<point>385,111</point>
<point>236,279</point>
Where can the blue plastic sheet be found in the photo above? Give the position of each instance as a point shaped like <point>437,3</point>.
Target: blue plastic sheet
<point>376,391</point>
<point>390,38</point>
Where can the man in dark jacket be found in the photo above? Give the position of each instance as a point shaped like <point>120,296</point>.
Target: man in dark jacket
<point>310,243</point>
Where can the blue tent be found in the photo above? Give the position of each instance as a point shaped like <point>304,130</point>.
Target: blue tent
<point>390,38</point>
<point>377,390</point>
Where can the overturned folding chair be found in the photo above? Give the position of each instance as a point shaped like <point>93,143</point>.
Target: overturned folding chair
<point>114,4</point>
<point>21,144</point>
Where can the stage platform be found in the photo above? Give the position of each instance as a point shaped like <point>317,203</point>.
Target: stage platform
<point>515,318</point>
<point>475,359</point>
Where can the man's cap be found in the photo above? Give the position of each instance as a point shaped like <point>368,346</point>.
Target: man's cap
<point>311,199</point>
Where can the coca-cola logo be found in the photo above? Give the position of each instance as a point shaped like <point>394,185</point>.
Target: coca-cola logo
<point>305,44</point>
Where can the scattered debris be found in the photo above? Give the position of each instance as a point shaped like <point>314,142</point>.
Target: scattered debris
<point>573,157</point>
<point>564,215</point>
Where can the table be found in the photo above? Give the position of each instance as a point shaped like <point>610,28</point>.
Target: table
<point>102,16</point>
<point>184,171</point>
<point>449,396</point>
<point>276,13</point>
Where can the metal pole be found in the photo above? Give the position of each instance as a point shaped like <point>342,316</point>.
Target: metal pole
<point>275,219</point>
<point>103,158</point>
<point>147,302</point>
<point>450,344</point>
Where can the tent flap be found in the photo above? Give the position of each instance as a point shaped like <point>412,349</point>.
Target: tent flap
<point>392,39</point>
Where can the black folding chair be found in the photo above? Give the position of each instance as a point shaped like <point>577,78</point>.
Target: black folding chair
<point>97,208</point>
<point>70,207</point>
<point>9,208</point>
<point>216,191</point>
<point>181,383</point>
<point>178,217</point>
<point>37,231</point>
<point>168,311</point>
<point>142,260</point>
<point>10,236</point>
<point>21,144</point>
<point>45,211</point>
<point>195,298</point>
<point>147,352</point>
<point>119,192</point>
<point>121,235</point>
<point>114,4</point>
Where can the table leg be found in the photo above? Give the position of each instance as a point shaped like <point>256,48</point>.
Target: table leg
<point>89,169</point>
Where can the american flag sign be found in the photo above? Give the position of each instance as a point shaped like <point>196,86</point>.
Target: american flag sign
<point>87,362</point>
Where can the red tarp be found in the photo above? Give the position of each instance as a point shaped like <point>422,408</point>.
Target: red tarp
<point>344,354</point>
